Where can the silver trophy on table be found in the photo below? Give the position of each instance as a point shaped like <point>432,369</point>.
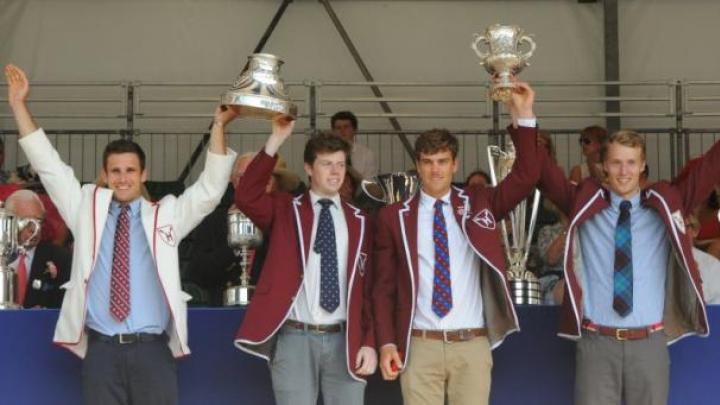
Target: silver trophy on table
<point>259,92</point>
<point>391,187</point>
<point>243,236</point>
<point>10,229</point>
<point>503,56</point>
<point>516,236</point>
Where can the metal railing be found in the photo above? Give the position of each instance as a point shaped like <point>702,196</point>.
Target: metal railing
<point>678,117</point>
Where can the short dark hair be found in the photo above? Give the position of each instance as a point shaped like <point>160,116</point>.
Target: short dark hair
<point>123,146</point>
<point>480,173</point>
<point>344,115</point>
<point>325,142</point>
<point>596,132</point>
<point>434,141</point>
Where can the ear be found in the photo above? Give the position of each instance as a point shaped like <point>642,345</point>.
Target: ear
<point>103,177</point>
<point>143,176</point>
<point>455,165</point>
<point>308,169</point>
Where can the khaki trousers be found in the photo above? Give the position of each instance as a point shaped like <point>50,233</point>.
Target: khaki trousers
<point>459,370</point>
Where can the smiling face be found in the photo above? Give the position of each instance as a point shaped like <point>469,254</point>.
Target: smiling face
<point>623,166</point>
<point>327,173</point>
<point>436,172</point>
<point>124,176</point>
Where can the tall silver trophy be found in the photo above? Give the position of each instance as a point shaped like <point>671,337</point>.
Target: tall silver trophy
<point>516,232</point>
<point>503,56</point>
<point>243,236</point>
<point>391,187</point>
<point>259,92</point>
<point>10,229</point>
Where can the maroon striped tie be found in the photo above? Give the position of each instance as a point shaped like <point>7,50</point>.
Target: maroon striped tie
<point>120,277</point>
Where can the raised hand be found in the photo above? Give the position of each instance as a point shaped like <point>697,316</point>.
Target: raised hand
<point>224,115</point>
<point>282,127</point>
<point>18,85</point>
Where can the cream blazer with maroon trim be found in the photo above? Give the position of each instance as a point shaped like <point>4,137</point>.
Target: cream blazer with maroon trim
<point>85,209</point>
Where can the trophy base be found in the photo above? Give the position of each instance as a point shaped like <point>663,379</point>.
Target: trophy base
<point>258,106</point>
<point>525,292</point>
<point>238,295</point>
<point>9,305</point>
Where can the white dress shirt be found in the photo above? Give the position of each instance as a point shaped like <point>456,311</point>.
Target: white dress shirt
<point>363,160</point>
<point>467,306</point>
<point>307,307</point>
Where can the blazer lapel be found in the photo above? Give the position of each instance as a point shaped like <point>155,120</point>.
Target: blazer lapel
<point>304,219</point>
<point>408,233</point>
<point>356,229</point>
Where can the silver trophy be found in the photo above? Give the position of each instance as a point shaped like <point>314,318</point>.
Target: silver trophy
<point>259,92</point>
<point>10,229</point>
<point>391,187</point>
<point>516,236</point>
<point>503,56</point>
<point>242,236</point>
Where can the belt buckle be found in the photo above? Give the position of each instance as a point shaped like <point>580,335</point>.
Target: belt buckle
<point>130,338</point>
<point>619,334</point>
<point>317,329</point>
<point>445,336</point>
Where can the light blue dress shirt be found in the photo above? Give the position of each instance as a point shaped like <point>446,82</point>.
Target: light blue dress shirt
<point>650,255</point>
<point>149,312</point>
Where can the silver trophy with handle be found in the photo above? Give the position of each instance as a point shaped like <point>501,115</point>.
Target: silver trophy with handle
<point>10,229</point>
<point>516,231</point>
<point>503,56</point>
<point>243,237</point>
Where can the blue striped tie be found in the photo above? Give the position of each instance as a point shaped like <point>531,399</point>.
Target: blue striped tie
<point>623,277</point>
<point>325,247</point>
<point>442,291</point>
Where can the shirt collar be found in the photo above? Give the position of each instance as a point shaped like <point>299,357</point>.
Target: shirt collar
<point>315,197</point>
<point>428,201</point>
<point>134,206</point>
<point>615,200</point>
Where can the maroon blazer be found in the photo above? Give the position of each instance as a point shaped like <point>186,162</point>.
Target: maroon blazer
<point>684,312</point>
<point>478,211</point>
<point>289,221</point>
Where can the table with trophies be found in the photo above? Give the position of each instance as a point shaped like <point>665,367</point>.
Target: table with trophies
<point>531,367</point>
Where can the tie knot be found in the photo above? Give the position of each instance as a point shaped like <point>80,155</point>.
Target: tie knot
<point>625,205</point>
<point>439,204</point>
<point>325,202</point>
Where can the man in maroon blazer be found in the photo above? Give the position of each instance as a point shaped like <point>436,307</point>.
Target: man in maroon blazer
<point>440,297</point>
<point>632,284</point>
<point>310,316</point>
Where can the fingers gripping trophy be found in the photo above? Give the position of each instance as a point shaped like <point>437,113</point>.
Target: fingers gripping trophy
<point>258,92</point>
<point>503,59</point>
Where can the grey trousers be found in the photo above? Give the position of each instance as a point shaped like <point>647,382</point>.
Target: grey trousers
<point>306,363</point>
<point>134,374</point>
<point>608,371</point>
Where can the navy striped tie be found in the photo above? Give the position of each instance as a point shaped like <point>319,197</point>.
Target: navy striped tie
<point>442,290</point>
<point>623,277</point>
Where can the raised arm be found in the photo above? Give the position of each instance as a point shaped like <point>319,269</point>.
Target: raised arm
<point>697,185</point>
<point>18,91</point>
<point>250,195</point>
<point>525,170</point>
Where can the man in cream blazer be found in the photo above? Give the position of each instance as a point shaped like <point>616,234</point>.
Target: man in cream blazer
<point>124,311</point>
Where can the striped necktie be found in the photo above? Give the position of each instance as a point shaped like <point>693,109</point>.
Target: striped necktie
<point>623,277</point>
<point>442,291</point>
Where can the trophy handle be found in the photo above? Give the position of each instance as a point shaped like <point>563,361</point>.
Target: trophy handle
<point>526,39</point>
<point>364,184</point>
<point>24,222</point>
<point>482,55</point>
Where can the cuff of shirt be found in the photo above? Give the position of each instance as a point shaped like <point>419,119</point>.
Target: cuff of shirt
<point>527,122</point>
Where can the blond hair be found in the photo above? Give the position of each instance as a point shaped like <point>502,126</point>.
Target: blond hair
<point>625,137</point>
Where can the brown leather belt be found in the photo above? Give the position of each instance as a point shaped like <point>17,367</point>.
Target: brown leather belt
<point>332,328</point>
<point>622,333</point>
<point>448,336</point>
